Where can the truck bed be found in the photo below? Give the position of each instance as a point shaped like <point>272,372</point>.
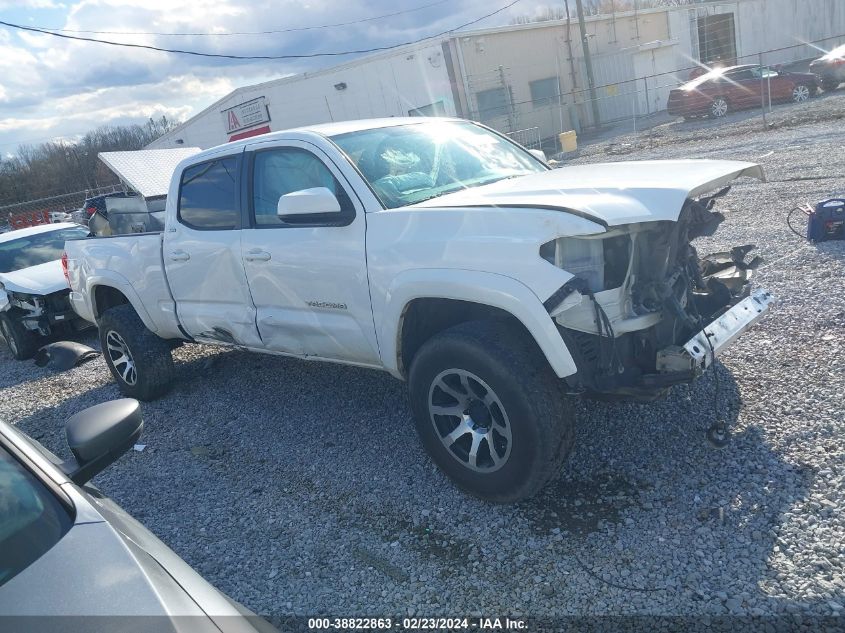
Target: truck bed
<point>129,264</point>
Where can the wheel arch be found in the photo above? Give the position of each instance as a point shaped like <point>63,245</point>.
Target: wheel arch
<point>107,292</point>
<point>421,303</point>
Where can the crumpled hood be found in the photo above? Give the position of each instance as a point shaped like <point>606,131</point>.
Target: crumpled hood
<point>43,279</point>
<point>612,193</point>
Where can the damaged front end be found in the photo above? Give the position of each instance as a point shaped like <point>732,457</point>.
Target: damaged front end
<point>41,314</point>
<point>644,311</point>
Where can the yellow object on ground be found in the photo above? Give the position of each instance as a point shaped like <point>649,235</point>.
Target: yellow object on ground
<point>568,141</point>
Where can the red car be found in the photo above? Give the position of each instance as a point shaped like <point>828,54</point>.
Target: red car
<point>830,69</point>
<point>724,90</point>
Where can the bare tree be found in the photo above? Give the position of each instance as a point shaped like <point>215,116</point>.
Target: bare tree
<point>57,167</point>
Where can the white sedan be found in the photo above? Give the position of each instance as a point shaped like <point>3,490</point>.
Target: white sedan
<point>33,288</point>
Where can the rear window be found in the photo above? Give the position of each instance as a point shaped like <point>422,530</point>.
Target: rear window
<point>208,196</point>
<point>32,520</point>
<point>36,249</point>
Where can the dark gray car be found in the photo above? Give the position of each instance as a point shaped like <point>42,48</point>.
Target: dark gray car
<point>67,550</point>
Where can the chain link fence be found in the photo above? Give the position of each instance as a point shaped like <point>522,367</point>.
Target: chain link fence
<point>625,102</point>
<point>39,211</point>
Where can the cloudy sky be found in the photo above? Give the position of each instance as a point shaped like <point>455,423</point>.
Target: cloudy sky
<point>51,87</point>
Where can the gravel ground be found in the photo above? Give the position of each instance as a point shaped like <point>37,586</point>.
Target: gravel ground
<point>301,488</point>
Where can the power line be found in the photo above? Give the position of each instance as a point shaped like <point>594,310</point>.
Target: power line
<point>177,51</point>
<point>270,32</point>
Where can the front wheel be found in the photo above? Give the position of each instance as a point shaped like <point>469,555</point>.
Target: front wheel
<point>800,93</point>
<point>140,361</point>
<point>829,85</point>
<point>22,343</point>
<point>490,411</point>
<point>719,107</point>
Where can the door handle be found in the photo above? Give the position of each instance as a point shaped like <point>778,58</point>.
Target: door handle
<point>257,256</point>
<point>179,256</point>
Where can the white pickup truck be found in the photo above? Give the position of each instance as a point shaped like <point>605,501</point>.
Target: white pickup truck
<point>445,254</point>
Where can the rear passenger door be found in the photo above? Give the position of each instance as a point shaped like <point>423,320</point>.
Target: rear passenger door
<point>202,255</point>
<point>307,273</point>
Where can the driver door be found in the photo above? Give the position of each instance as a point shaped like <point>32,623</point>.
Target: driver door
<point>307,273</point>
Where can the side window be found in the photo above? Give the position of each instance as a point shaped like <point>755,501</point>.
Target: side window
<point>278,172</point>
<point>544,92</point>
<point>743,75</point>
<point>208,196</point>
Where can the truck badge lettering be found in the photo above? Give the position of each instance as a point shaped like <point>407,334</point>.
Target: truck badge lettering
<point>326,304</point>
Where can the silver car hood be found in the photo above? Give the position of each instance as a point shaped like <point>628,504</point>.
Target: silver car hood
<point>612,193</point>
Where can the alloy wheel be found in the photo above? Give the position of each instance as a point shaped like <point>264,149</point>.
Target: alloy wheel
<point>470,420</point>
<point>121,358</point>
<point>719,107</point>
<point>800,93</point>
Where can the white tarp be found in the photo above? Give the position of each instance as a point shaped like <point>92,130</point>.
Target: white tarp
<point>147,171</point>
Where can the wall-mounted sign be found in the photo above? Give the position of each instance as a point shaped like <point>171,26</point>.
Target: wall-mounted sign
<point>245,115</point>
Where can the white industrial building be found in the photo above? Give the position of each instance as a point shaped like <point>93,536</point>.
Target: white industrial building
<point>530,80</point>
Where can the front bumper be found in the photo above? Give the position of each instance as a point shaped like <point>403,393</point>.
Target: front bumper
<point>43,313</point>
<point>724,330</point>
<point>699,352</point>
<point>640,379</point>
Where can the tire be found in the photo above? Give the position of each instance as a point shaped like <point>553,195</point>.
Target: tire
<point>829,85</point>
<point>719,107</point>
<point>140,361</point>
<point>22,343</point>
<point>527,420</point>
<point>801,93</point>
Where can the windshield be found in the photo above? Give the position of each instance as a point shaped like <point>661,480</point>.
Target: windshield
<point>36,249</point>
<point>407,164</point>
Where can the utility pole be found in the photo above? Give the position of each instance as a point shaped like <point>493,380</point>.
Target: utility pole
<point>575,100</point>
<point>588,62</point>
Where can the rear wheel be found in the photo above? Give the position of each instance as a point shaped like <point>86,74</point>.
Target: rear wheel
<point>22,343</point>
<point>800,93</point>
<point>719,107</point>
<point>490,411</point>
<point>140,361</point>
<point>830,85</point>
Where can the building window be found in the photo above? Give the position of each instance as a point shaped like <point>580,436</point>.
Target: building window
<point>492,103</point>
<point>438,108</point>
<point>544,92</point>
<point>717,39</point>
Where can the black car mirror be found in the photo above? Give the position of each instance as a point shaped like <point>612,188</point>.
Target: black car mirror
<point>98,435</point>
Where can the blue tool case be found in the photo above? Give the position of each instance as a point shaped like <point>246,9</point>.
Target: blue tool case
<point>826,221</point>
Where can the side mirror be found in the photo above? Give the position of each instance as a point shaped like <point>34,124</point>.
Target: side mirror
<point>538,154</point>
<point>308,201</point>
<point>98,435</point>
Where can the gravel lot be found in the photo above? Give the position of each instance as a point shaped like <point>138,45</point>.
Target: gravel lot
<point>301,488</point>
